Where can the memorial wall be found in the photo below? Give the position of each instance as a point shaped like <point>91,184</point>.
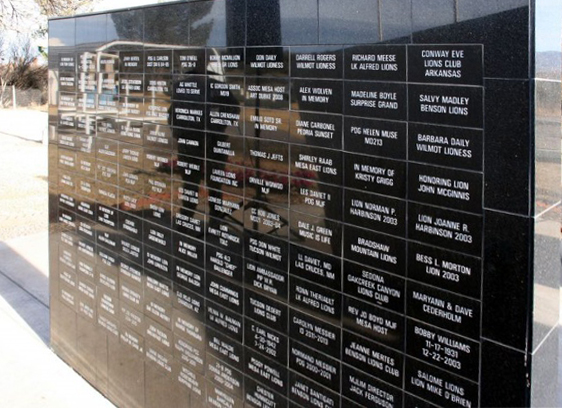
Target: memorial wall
<point>282,203</point>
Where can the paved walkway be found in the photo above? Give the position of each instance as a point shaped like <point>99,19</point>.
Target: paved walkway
<point>27,124</point>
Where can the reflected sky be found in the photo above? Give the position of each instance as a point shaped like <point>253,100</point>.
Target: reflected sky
<point>548,18</point>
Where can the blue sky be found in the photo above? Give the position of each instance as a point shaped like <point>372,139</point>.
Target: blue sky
<point>548,20</point>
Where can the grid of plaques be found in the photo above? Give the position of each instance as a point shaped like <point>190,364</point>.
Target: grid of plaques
<point>279,226</point>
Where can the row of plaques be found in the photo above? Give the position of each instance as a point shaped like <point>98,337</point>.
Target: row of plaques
<point>451,64</point>
<point>440,145</point>
<point>212,223</point>
<point>218,318</point>
<point>320,243</point>
<point>262,171</point>
<point>455,106</point>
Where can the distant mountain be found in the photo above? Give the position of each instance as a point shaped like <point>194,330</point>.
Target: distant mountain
<point>548,64</point>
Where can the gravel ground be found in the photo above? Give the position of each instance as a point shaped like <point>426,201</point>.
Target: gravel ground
<point>23,187</point>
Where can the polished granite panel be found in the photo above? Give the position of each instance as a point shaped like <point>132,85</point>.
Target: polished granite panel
<point>505,374</point>
<point>396,18</point>
<point>91,31</point>
<point>547,145</point>
<point>273,22</point>
<point>507,284</point>
<point>161,387</point>
<point>547,51</point>
<point>62,33</point>
<point>546,205</point>
<point>471,9</point>
<point>428,14</point>
<point>126,29</point>
<point>126,368</point>
<point>546,288</point>
<point>546,366</point>
<point>507,154</point>
<point>63,337</point>
<point>87,346</point>
<point>167,25</point>
<point>341,23</point>
<point>303,204</point>
<point>505,37</point>
<point>217,23</point>
<point>265,19</point>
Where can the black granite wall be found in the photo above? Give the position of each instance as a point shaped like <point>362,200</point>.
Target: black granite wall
<point>313,203</point>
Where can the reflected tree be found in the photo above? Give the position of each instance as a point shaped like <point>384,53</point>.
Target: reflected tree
<point>129,25</point>
<point>173,25</point>
<point>21,71</point>
<point>199,28</point>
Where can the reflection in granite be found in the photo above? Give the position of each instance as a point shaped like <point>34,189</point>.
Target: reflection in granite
<point>167,26</point>
<point>547,50</point>
<point>509,100</point>
<point>496,31</point>
<point>547,145</point>
<point>217,23</point>
<point>547,267</point>
<point>470,9</point>
<point>543,391</point>
<point>504,376</point>
<point>275,22</point>
<point>341,23</point>
<point>126,28</point>
<point>62,33</point>
<point>91,31</point>
<point>428,14</point>
<point>512,327</point>
<point>304,203</point>
<point>396,16</point>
